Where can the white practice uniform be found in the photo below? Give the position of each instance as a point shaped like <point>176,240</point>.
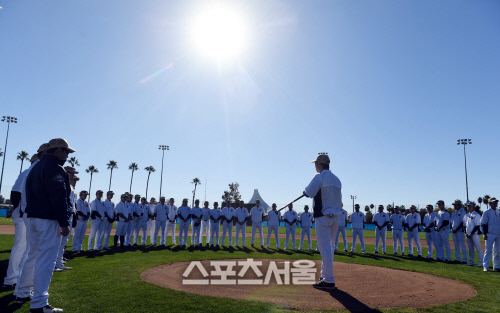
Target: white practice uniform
<point>257,214</point>
<point>227,224</point>
<point>151,223</point>
<point>289,217</point>
<point>380,219</point>
<point>183,212</point>
<point>491,218</point>
<point>241,215</point>
<point>205,225</point>
<point>121,224</point>
<point>65,239</point>
<point>443,236</point>
<point>131,223</point>
<point>306,220</point>
<point>196,214</point>
<point>472,223</point>
<point>97,210</point>
<point>138,222</point>
<point>109,220</point>
<point>81,225</point>
<point>457,220</point>
<point>430,220</point>
<point>397,221</point>
<point>215,214</point>
<point>161,212</point>
<point>357,222</point>
<point>413,236</point>
<point>342,229</point>
<point>171,222</point>
<point>273,224</point>
<point>143,223</point>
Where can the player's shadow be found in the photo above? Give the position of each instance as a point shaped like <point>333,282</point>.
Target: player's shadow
<point>349,302</point>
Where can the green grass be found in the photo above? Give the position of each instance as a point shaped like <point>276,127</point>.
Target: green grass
<point>110,282</point>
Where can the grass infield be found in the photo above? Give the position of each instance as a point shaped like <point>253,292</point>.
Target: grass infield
<point>110,282</point>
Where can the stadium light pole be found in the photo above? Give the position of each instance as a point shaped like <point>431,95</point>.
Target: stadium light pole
<point>8,119</point>
<point>163,148</point>
<point>353,198</point>
<point>465,142</point>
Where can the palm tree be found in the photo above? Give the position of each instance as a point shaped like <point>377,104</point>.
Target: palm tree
<point>196,182</point>
<point>371,207</point>
<point>150,170</point>
<point>1,152</point>
<point>91,169</point>
<point>133,167</point>
<point>485,200</point>
<point>111,166</point>
<point>23,155</point>
<point>480,201</point>
<point>73,161</point>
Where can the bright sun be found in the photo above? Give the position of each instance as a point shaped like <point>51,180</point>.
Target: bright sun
<point>219,33</point>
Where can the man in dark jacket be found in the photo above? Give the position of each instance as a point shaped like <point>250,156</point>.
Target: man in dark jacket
<point>49,208</point>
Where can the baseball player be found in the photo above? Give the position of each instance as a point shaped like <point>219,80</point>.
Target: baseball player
<point>109,215</point>
<point>161,213</point>
<point>398,221</point>
<point>413,222</point>
<point>215,217</point>
<point>443,233</point>
<point>342,229</point>
<point>143,222</point>
<point>381,219</point>
<point>457,232</point>
<point>306,219</point>
<point>205,223</point>
<point>83,213</point>
<point>171,221</point>
<point>472,224</point>
<point>97,209</point>
<point>290,217</point>
<point>122,215</point>
<point>257,214</point>
<point>490,221</point>
<point>273,223</point>
<point>196,214</point>
<point>137,217</point>
<point>358,221</point>
<point>430,220</point>
<point>131,220</point>
<point>184,213</point>
<point>241,217</point>
<point>152,221</point>
<point>227,223</point>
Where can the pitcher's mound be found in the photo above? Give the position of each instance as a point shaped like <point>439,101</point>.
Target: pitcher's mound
<point>360,287</point>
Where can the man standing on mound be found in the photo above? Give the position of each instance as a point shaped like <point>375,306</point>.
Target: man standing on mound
<point>325,189</point>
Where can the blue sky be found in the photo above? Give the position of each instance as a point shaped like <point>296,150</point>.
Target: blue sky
<point>386,88</point>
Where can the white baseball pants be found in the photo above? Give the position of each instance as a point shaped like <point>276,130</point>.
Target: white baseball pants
<point>171,226</point>
<point>307,230</point>
<point>78,235</point>
<point>380,234</point>
<point>17,251</point>
<point>160,225</point>
<point>431,239</point>
<point>358,233</point>
<point>290,232</point>
<point>227,227</point>
<point>260,227</point>
<point>475,243</point>
<point>205,231</point>
<point>414,236</point>
<point>214,231</point>
<point>183,232</point>
<point>492,245</point>
<point>94,228</point>
<point>270,230</point>
<point>341,230</point>
<point>443,243</point>
<point>459,243</point>
<point>24,284</point>
<point>397,237</point>
<point>326,230</point>
<point>243,230</point>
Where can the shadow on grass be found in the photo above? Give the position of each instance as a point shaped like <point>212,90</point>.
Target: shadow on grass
<point>7,303</point>
<point>349,302</point>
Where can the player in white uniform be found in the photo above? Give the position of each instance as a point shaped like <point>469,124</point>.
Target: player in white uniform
<point>143,222</point>
<point>342,230</point>
<point>172,219</point>
<point>152,221</point>
<point>215,217</point>
<point>306,220</point>
<point>273,224</point>
<point>227,223</point>
<point>398,221</point>
<point>205,223</point>
<point>241,217</point>
<point>490,221</point>
<point>430,220</point>
<point>257,214</point>
<point>83,213</point>
<point>121,222</point>
<point>443,233</point>
<point>161,212</point>
<point>472,224</point>
<point>457,232</point>
<point>413,222</point>
<point>137,218</point>
<point>381,219</point>
<point>358,221</point>
<point>290,217</point>
<point>131,220</point>
<point>109,216</point>
<point>196,214</point>
<point>97,209</point>
<point>184,214</point>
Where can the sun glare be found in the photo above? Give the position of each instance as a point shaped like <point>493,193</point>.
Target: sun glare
<point>219,33</point>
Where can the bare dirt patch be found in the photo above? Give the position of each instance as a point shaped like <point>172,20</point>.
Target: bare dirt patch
<point>361,288</point>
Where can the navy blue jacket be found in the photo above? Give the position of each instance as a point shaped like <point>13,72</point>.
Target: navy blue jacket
<point>47,191</point>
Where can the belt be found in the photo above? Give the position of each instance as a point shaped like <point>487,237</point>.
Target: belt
<point>206,220</point>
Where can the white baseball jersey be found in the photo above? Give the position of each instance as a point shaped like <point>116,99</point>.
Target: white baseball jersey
<point>184,212</point>
<point>492,219</point>
<point>443,216</point>
<point>205,214</point>
<point>457,218</point>
<point>228,212</point>
<point>161,212</point>
<point>130,209</point>
<point>22,187</point>
<point>430,219</point>
<point>472,220</point>
<point>122,208</point>
<point>110,208</point>
<point>290,216</point>
<point>172,213</point>
<point>357,220</point>
<point>145,211</point>
<point>325,188</point>
<point>397,221</point>
<point>196,213</point>
<point>82,206</point>
<point>413,219</point>
<point>215,213</point>
<point>343,218</point>
<point>241,214</point>
<point>257,213</point>
<point>273,218</point>
<point>381,219</point>
<point>306,219</point>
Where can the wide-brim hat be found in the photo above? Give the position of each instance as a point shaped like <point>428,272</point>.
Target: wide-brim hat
<point>60,143</point>
<point>322,158</point>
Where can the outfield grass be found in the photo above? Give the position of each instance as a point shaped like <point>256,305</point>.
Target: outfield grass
<point>110,282</point>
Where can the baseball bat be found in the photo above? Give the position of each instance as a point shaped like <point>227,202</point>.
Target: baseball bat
<point>291,202</point>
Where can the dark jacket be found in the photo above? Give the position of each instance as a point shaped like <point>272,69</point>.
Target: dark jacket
<point>47,191</point>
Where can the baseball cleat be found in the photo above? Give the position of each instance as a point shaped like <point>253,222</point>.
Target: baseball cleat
<point>22,300</point>
<point>57,270</point>
<point>46,309</point>
<point>65,268</point>
<point>324,285</point>
<point>4,286</point>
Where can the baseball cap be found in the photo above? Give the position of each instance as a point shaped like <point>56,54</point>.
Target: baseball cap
<point>429,206</point>
<point>492,200</point>
<point>162,197</point>
<point>172,199</point>
<point>110,192</point>
<point>137,196</point>
<point>457,202</point>
<point>322,158</point>
<point>84,192</point>
<point>99,191</point>
<point>413,206</point>
<point>153,199</point>
<point>143,199</point>
<point>470,203</point>
<point>70,169</point>
<point>43,147</point>
<point>274,204</point>
<point>197,200</point>
<point>60,143</point>
<point>440,202</point>
<point>381,206</point>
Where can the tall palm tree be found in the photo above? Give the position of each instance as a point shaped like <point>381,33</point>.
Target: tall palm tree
<point>23,155</point>
<point>91,169</point>
<point>196,182</point>
<point>485,200</point>
<point>480,201</point>
<point>111,166</point>
<point>134,167</point>
<point>73,161</point>
<point>150,170</point>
